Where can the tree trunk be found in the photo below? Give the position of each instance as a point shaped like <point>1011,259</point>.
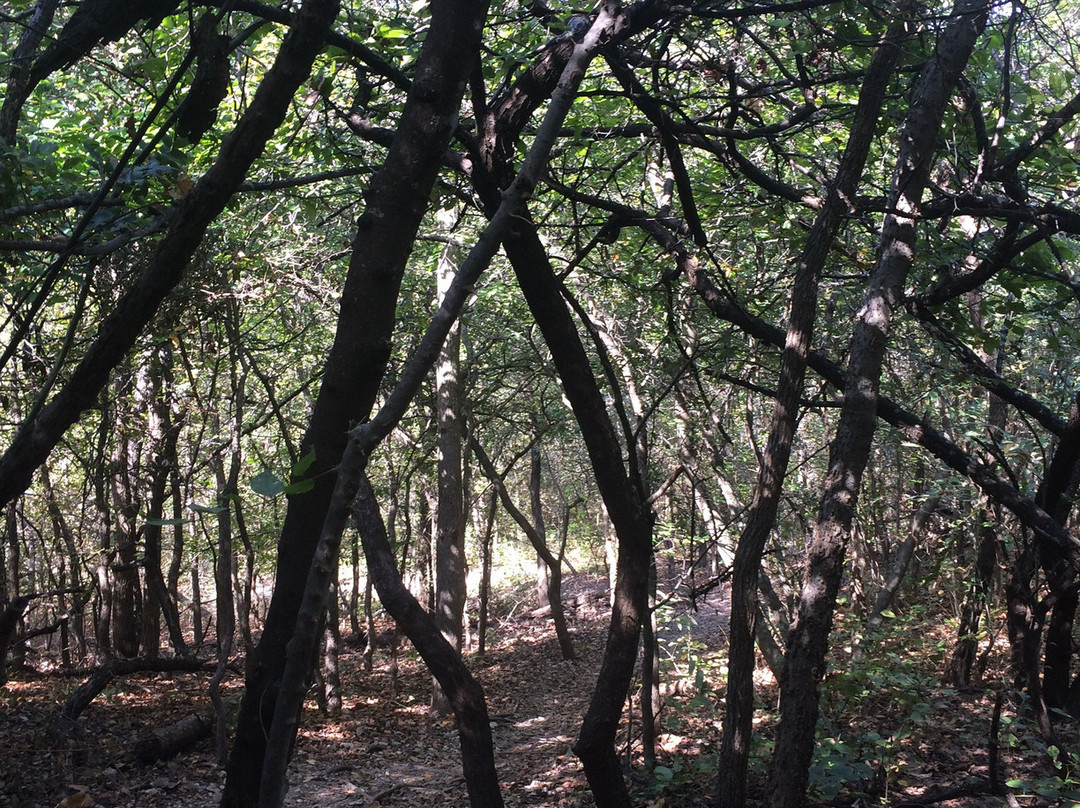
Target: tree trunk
<point>464,692</point>
<point>802,311</point>
<point>19,81</point>
<point>167,742</point>
<point>850,450</point>
<point>958,672</point>
<point>164,434</point>
<point>900,563</point>
<point>1025,621</point>
<point>9,623</point>
<point>650,678</point>
<point>369,625</point>
<point>553,593</point>
<point>396,200</point>
<point>625,498</point>
<point>331,674</point>
<point>198,631</point>
<point>1056,495</point>
<point>450,572</point>
<point>486,549</point>
<point>73,578</point>
<point>136,307</point>
<point>354,590</point>
<point>122,482</point>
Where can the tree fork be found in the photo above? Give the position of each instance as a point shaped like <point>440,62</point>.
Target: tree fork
<point>808,640</point>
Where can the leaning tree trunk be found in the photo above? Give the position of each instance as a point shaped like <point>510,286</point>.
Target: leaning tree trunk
<point>1056,495</point>
<point>746,570</point>
<point>626,503</point>
<point>465,694</point>
<point>396,201</point>
<point>450,583</point>
<point>808,641</point>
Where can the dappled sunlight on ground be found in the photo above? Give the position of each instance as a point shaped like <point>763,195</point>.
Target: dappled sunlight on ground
<point>388,750</point>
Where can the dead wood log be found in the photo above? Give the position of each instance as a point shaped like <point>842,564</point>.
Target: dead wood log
<point>85,693</point>
<point>163,743</point>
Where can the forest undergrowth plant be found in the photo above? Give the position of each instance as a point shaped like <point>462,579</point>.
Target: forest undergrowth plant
<point>1020,735</point>
<point>877,712</point>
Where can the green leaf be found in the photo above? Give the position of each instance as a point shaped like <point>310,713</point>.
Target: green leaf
<point>300,486</point>
<point>167,522</point>
<point>210,509</point>
<point>303,464</point>
<point>267,484</point>
<point>663,774</point>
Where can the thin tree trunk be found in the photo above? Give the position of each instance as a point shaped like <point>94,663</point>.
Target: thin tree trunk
<point>243,587</point>
<point>900,563</point>
<point>958,672</point>
<point>536,508</point>
<point>650,678</point>
<point>553,592</point>
<point>625,497</point>
<point>369,624</point>
<point>486,549</point>
<point>450,572</point>
<point>850,450</point>
<point>73,578</point>
<point>1056,495</point>
<point>465,694</point>
<point>19,81</point>
<point>354,590</point>
<point>197,629</point>
<point>802,311</point>
<point>164,461</point>
<point>331,674</point>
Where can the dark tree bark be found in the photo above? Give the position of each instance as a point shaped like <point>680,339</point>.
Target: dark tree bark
<point>9,623</point>
<point>536,508</point>
<point>163,743</point>
<point>395,203</point>
<point>622,491</point>
<point>85,693</point>
<point>486,541</point>
<point>625,498</point>
<point>1056,495</point>
<point>651,703</point>
<point>73,579</point>
<point>1025,623</point>
<point>802,311</point>
<point>120,477</point>
<point>331,673</point>
<point>808,641</point>
<point>164,435</point>
<point>962,661</point>
<point>19,84</point>
<point>350,481</point>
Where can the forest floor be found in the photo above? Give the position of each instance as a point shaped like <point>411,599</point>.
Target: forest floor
<point>387,749</point>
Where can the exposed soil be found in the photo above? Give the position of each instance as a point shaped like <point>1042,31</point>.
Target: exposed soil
<point>387,750</point>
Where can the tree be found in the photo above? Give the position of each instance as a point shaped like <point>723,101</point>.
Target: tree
<point>686,226</point>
